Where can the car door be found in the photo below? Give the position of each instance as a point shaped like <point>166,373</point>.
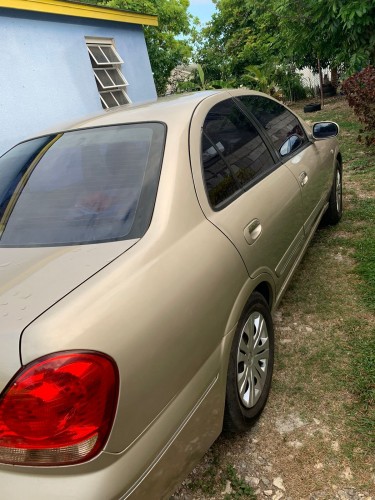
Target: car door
<point>255,201</point>
<point>309,162</point>
<point>313,169</point>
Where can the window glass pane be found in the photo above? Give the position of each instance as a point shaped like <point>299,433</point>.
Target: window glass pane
<point>120,97</point>
<point>219,181</point>
<point>108,99</point>
<point>232,136</point>
<point>279,122</point>
<point>88,186</point>
<point>97,54</point>
<point>117,77</point>
<point>104,79</point>
<point>111,54</point>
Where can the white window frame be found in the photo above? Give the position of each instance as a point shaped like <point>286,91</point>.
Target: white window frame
<point>108,92</point>
<point>99,46</point>
<point>98,71</point>
<point>105,104</point>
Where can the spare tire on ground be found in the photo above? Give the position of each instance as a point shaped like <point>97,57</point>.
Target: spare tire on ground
<point>328,90</point>
<point>309,108</point>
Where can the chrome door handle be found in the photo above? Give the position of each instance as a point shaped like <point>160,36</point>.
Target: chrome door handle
<point>303,178</point>
<point>252,231</point>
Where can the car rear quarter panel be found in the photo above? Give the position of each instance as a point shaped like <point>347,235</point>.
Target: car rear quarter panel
<point>33,279</point>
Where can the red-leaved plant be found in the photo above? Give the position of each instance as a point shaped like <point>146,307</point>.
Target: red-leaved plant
<point>360,92</point>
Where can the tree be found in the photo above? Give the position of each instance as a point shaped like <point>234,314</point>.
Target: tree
<point>165,50</point>
<point>352,24</point>
<point>166,47</point>
<point>286,33</point>
<point>338,32</point>
<point>227,44</point>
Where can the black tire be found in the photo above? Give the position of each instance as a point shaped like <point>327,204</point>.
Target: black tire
<point>246,396</point>
<point>329,93</point>
<point>309,108</point>
<point>333,213</point>
<point>329,90</point>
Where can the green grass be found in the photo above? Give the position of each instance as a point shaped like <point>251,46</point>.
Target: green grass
<point>363,350</point>
<point>362,380</point>
<point>359,224</point>
<point>365,250</point>
<point>215,476</point>
<point>207,481</point>
<point>240,489</point>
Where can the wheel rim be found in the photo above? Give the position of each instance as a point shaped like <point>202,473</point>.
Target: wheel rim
<point>252,359</point>
<point>338,191</point>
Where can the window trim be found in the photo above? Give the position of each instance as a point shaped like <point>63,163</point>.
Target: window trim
<point>244,189</point>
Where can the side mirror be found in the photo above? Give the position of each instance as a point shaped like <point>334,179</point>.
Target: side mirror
<point>291,144</point>
<point>323,130</point>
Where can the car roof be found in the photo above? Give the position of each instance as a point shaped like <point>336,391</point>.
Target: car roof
<point>176,108</point>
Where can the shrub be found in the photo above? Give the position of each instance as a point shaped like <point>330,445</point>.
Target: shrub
<point>359,90</point>
<point>290,83</point>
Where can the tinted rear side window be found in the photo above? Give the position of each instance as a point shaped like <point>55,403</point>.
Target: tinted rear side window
<point>233,153</point>
<point>278,121</point>
<point>83,186</point>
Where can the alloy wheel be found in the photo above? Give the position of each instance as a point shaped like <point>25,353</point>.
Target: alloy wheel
<point>252,359</point>
<point>338,191</point>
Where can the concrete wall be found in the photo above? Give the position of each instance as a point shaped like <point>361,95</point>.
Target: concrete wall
<point>45,72</point>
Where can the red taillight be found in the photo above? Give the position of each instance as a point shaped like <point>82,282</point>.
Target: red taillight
<point>58,410</point>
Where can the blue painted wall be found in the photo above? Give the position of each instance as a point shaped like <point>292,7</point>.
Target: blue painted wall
<point>46,76</point>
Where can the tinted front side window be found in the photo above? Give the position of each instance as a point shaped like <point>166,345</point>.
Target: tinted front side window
<point>82,186</point>
<point>233,153</point>
<point>278,121</point>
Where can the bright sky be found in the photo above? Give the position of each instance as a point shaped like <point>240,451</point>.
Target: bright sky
<point>202,9</point>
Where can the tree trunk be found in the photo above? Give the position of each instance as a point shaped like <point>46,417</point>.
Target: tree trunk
<point>321,84</point>
<point>334,77</point>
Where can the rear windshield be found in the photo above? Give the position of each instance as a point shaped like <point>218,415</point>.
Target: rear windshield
<point>83,186</point>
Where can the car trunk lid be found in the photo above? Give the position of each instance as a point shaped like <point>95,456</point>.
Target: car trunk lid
<point>33,279</point>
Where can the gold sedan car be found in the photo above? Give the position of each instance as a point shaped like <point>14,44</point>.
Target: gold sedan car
<point>142,253</point>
